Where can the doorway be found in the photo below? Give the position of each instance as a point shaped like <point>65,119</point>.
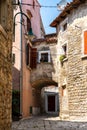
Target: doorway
<point>51,103</point>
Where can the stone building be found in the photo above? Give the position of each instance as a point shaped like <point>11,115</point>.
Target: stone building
<point>5,64</point>
<point>71,25</point>
<point>28,26</point>
<point>45,75</point>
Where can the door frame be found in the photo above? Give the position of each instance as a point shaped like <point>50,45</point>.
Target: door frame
<point>46,102</point>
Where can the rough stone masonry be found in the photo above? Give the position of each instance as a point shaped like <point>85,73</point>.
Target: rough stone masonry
<point>5,66</point>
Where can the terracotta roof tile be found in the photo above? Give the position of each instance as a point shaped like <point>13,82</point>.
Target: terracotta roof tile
<point>49,38</point>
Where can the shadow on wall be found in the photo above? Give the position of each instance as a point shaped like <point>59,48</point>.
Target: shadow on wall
<point>15,78</point>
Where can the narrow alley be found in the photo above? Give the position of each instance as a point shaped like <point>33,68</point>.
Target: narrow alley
<point>47,123</point>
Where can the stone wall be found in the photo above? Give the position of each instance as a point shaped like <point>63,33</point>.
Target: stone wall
<point>5,72</point>
<point>73,73</point>
<point>46,70</point>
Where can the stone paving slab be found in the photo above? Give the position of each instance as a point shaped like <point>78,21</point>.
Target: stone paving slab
<point>47,123</point>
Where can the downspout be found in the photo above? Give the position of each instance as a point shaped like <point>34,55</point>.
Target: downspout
<point>21,68</point>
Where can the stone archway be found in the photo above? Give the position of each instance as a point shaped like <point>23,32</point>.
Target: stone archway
<point>37,86</point>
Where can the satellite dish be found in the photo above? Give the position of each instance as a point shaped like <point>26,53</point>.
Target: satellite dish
<point>61,4</point>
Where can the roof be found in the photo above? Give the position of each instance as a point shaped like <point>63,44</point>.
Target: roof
<point>49,38</point>
<point>68,8</point>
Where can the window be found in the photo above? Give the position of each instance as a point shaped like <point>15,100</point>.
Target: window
<point>63,25</point>
<point>3,13</point>
<point>44,56</point>
<point>85,43</point>
<point>13,58</point>
<point>64,49</point>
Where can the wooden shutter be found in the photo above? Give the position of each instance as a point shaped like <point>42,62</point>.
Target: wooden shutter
<point>28,24</point>
<point>85,42</point>
<point>33,61</point>
<point>27,54</point>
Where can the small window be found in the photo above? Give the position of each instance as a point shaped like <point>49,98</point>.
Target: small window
<point>64,48</point>
<point>44,56</point>
<point>64,26</point>
<point>13,58</point>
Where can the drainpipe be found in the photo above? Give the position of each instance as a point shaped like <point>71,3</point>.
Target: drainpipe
<point>21,68</point>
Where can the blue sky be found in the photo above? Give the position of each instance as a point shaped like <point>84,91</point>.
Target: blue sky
<point>49,14</point>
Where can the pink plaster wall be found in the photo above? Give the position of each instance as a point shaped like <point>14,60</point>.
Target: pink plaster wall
<point>25,88</point>
<point>35,20</point>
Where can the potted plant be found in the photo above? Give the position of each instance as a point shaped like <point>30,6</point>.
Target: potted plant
<point>62,57</point>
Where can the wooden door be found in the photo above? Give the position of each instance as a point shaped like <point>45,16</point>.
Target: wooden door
<point>51,103</point>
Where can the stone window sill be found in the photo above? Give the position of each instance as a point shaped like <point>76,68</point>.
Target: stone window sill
<point>65,59</point>
<point>44,62</point>
<point>3,31</point>
<point>84,57</point>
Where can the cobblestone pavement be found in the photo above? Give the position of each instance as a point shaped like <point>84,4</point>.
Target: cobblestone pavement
<point>47,123</point>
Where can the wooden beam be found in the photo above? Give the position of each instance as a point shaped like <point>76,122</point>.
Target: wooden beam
<point>68,11</point>
<point>62,17</point>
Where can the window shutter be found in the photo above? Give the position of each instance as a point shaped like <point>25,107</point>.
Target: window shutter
<point>28,25</point>
<point>33,62</point>
<point>85,42</point>
<point>27,54</point>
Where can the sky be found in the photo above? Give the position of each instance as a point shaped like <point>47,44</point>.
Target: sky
<point>48,14</point>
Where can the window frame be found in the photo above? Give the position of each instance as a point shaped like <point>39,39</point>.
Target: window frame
<point>41,52</point>
<point>63,51</point>
<point>63,23</point>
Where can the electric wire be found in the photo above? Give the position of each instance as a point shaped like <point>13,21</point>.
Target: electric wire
<point>45,6</point>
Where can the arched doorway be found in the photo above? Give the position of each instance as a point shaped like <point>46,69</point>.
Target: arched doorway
<point>45,97</point>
